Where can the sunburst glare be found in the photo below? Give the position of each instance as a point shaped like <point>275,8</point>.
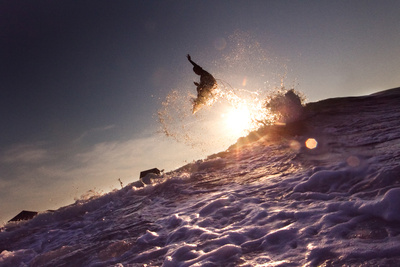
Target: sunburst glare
<point>240,112</point>
<point>237,120</point>
<point>244,113</point>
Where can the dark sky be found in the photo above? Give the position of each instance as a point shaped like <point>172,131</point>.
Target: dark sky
<point>72,65</point>
<point>81,81</point>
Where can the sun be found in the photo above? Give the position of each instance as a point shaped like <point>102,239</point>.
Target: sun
<point>238,120</point>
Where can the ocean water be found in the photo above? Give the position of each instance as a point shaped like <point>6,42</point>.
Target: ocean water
<point>322,191</point>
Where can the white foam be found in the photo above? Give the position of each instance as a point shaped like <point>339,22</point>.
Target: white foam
<point>324,181</point>
<point>263,205</point>
<point>15,258</point>
<point>386,207</point>
<point>216,256</point>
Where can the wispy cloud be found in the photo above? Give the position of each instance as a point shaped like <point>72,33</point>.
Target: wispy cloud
<point>41,176</point>
<point>93,131</point>
<point>24,153</point>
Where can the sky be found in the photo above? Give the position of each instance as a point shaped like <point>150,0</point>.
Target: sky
<point>81,82</point>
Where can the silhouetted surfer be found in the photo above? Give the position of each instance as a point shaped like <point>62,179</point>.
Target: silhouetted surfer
<point>205,87</point>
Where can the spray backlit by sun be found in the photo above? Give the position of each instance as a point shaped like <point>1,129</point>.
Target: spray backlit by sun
<point>238,120</point>
<point>229,115</point>
<point>245,113</point>
<point>231,112</point>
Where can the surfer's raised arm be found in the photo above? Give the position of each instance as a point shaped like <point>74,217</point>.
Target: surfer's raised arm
<point>191,61</point>
<point>196,68</point>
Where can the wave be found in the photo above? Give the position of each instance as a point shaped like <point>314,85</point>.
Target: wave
<point>269,200</point>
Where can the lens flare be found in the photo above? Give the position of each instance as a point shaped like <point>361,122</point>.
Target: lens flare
<point>246,112</point>
<point>311,143</point>
<point>244,83</point>
<point>239,112</point>
<point>238,120</point>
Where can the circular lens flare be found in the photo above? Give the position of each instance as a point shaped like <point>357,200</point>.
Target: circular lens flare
<point>311,143</point>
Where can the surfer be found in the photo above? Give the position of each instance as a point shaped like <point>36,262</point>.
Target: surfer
<point>206,85</point>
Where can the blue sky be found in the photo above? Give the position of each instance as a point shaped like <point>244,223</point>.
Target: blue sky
<point>82,81</point>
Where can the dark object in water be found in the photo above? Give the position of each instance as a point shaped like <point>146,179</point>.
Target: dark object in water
<point>146,177</point>
<point>154,170</point>
<point>24,216</point>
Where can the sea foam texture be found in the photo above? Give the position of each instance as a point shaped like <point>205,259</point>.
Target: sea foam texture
<point>269,200</point>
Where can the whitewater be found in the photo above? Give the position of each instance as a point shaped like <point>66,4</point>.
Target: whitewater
<point>320,191</point>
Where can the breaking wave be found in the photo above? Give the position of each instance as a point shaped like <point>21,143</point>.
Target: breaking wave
<point>264,203</point>
<point>177,121</point>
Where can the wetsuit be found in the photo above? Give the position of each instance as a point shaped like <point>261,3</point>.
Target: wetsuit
<point>207,81</point>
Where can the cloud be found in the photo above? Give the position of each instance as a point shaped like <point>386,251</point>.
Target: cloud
<point>93,131</point>
<point>24,153</point>
<point>41,176</point>
<point>128,158</point>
